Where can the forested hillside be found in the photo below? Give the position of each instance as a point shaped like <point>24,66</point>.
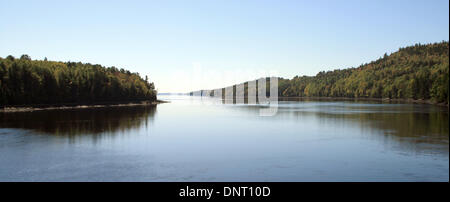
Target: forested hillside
<point>415,72</point>
<point>24,81</point>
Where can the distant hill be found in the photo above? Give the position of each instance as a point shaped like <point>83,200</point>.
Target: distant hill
<point>24,82</point>
<point>415,72</point>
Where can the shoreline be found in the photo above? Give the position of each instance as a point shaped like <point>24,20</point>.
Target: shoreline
<point>387,100</point>
<point>396,100</point>
<point>65,106</point>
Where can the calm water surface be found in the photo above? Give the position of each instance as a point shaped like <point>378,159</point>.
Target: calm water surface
<point>195,139</point>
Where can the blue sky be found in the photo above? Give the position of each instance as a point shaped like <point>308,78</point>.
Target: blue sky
<point>180,43</point>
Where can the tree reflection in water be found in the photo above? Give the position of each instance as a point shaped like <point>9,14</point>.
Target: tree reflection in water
<point>413,127</point>
<point>86,121</point>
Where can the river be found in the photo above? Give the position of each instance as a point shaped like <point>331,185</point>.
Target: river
<point>200,139</point>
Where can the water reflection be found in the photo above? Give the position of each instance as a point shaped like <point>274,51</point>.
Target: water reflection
<point>200,139</point>
<point>73,122</point>
<point>413,127</point>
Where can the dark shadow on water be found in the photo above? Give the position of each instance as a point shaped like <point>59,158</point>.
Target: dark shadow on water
<point>87,121</point>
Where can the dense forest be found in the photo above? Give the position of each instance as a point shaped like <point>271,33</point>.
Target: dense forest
<point>415,72</point>
<point>24,81</point>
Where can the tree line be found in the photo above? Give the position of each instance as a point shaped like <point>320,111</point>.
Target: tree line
<point>25,81</point>
<point>415,72</point>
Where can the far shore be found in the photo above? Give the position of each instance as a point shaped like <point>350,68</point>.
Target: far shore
<point>389,100</point>
<point>40,107</point>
